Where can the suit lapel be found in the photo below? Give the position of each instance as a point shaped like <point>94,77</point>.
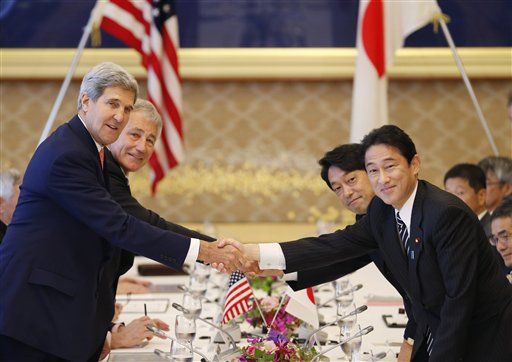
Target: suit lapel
<point>85,137</point>
<point>392,249</point>
<point>416,239</point>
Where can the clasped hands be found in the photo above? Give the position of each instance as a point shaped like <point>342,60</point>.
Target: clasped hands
<point>229,255</point>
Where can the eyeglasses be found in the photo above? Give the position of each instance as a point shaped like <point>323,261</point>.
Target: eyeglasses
<point>504,236</point>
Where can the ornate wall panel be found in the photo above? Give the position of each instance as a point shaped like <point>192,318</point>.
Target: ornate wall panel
<point>252,147</point>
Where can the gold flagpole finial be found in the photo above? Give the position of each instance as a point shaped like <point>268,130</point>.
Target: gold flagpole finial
<point>96,35</point>
<point>437,17</point>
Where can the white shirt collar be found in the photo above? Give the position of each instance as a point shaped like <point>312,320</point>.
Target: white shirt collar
<point>482,214</point>
<point>406,210</point>
<point>98,146</point>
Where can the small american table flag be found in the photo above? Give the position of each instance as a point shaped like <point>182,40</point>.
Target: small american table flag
<point>151,28</point>
<point>237,299</point>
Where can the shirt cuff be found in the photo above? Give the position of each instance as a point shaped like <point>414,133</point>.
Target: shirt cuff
<point>271,257</point>
<point>290,277</point>
<point>193,252</point>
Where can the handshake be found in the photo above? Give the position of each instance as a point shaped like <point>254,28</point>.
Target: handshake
<point>228,255</point>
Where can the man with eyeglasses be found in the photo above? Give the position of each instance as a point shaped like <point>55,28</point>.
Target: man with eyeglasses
<point>501,237</point>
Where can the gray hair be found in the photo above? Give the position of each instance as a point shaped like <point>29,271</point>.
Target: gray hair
<point>105,75</point>
<point>150,111</point>
<point>9,179</point>
<point>500,165</point>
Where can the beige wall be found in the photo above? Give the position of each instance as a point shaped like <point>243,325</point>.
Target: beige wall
<point>252,147</point>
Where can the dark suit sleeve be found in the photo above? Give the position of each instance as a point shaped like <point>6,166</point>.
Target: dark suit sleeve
<point>73,185</point>
<point>410,328</point>
<point>312,277</point>
<point>122,195</point>
<point>315,252</point>
<point>456,239</point>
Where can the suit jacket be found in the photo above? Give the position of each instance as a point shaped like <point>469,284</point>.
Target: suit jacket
<point>453,283</point>
<point>121,193</point>
<point>486,223</point>
<point>312,277</point>
<point>58,244</point>
<point>3,230</point>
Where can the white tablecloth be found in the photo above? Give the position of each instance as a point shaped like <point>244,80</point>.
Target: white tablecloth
<point>380,296</point>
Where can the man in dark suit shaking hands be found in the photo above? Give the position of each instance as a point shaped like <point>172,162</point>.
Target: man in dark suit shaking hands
<point>433,245</point>
<point>64,229</point>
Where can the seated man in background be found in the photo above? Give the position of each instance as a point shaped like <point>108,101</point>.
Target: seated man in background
<point>135,333</point>
<point>498,176</point>
<point>9,191</point>
<point>467,182</point>
<point>501,237</point>
<point>344,173</point>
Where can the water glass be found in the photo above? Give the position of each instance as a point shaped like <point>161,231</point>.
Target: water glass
<point>197,286</point>
<point>349,321</point>
<point>201,271</point>
<point>192,304</point>
<point>185,328</point>
<point>351,348</point>
<point>345,297</point>
<point>181,351</point>
<point>340,285</point>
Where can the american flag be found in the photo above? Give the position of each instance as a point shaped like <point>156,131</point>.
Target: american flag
<point>151,28</point>
<point>238,296</point>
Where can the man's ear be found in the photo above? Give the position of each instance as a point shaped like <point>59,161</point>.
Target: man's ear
<point>481,197</point>
<point>85,102</point>
<point>507,189</point>
<point>415,164</point>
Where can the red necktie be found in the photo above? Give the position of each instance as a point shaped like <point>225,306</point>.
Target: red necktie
<point>102,157</point>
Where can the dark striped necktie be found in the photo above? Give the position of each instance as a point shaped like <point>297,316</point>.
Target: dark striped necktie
<point>403,233</point>
<point>430,340</point>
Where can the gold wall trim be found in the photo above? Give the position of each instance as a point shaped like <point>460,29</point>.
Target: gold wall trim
<point>261,63</point>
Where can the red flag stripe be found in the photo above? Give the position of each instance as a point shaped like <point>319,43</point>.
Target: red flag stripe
<point>124,35</point>
<point>132,22</point>
<point>373,35</point>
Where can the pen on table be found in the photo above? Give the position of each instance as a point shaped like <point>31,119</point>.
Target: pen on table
<point>145,310</point>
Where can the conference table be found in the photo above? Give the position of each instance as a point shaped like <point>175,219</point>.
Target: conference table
<point>380,297</point>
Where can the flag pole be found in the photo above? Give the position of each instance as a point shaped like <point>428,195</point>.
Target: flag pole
<point>69,75</point>
<point>462,71</point>
<point>258,306</point>
<point>277,312</point>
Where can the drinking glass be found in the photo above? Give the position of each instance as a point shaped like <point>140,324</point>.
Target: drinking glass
<point>181,351</point>
<point>339,285</point>
<point>349,321</point>
<point>202,271</point>
<point>185,328</point>
<point>352,347</point>
<point>192,304</point>
<point>197,286</point>
<point>345,297</point>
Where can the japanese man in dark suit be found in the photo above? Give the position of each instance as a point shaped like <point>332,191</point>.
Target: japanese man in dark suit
<point>434,246</point>
<point>343,171</point>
